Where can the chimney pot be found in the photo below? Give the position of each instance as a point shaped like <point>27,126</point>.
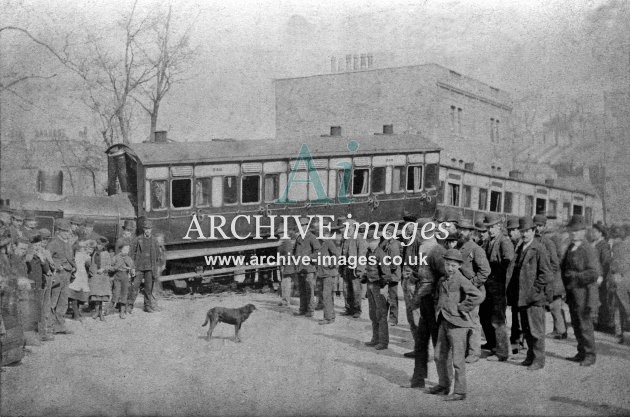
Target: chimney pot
<point>335,130</point>
<point>160,136</point>
<point>388,129</point>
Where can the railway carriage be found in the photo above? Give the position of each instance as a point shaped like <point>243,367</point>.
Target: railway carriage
<point>373,178</point>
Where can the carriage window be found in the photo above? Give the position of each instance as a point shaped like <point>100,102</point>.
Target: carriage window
<point>378,180</point>
<point>414,178</point>
<point>495,201</point>
<point>230,195</point>
<point>272,187</point>
<point>577,210</point>
<point>529,205</point>
<point>467,196</point>
<point>181,193</point>
<point>360,181</point>
<point>541,206</point>
<point>203,191</point>
<point>158,195</point>
<point>398,179</point>
<point>453,191</point>
<point>298,190</point>
<point>250,189</point>
<point>507,204</point>
<point>343,179</point>
<point>553,207</point>
<point>431,176</point>
<point>483,199</point>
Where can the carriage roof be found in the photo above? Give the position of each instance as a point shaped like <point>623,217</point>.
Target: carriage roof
<point>152,153</point>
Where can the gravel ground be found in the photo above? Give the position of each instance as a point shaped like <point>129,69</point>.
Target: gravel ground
<point>160,364</point>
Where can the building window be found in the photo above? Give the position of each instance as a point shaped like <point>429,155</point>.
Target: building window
<point>453,192</point>
<point>441,193</point>
<point>272,187</point>
<point>495,201</point>
<point>453,113</point>
<point>250,189</point>
<point>467,196</point>
<point>181,193</point>
<point>158,195</point>
<point>459,120</point>
<point>553,207</point>
<point>378,180</point>
<point>431,176</point>
<point>360,181</point>
<point>203,192</point>
<point>541,206</point>
<point>566,210</point>
<point>414,178</point>
<point>343,179</point>
<point>230,195</point>
<point>529,205</point>
<point>398,179</point>
<point>497,135</point>
<point>507,204</point>
<point>577,210</point>
<point>492,129</point>
<point>483,199</point>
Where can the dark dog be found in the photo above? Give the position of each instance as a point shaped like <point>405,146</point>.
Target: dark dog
<point>235,316</point>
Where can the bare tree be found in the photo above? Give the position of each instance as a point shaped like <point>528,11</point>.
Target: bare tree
<point>169,55</point>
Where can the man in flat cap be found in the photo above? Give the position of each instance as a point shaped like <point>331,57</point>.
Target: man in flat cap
<point>306,247</point>
<point>500,252</point>
<point>580,269</point>
<point>528,276</point>
<point>147,256</point>
<point>516,335</point>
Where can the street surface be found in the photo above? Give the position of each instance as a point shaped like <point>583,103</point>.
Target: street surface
<point>160,364</point>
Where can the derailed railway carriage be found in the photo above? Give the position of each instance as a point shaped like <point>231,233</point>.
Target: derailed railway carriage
<point>374,178</point>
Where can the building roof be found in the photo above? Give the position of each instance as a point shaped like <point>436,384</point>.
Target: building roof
<point>252,150</point>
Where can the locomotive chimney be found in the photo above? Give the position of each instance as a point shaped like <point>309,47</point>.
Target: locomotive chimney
<point>160,136</point>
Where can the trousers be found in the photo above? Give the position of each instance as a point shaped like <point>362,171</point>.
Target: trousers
<point>59,300</point>
<point>427,330</point>
<point>328,284</point>
<point>474,334</point>
<point>413,316</point>
<point>306,282</point>
<point>286,286</point>
<point>450,356</point>
<point>533,325</point>
<point>352,292</point>
<point>492,316</point>
<point>378,305</point>
<point>559,324</point>
<point>147,288</point>
<point>582,321</point>
<point>392,298</point>
<point>121,290</point>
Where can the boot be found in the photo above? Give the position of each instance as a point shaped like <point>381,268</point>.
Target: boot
<point>76,312</point>
<point>123,311</point>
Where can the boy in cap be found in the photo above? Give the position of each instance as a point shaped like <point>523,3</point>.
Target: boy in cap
<point>528,277</point>
<point>580,269</point>
<point>377,276</point>
<point>455,297</point>
<point>123,269</point>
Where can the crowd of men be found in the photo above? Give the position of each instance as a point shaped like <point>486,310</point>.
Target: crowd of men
<point>518,263</point>
<point>460,291</point>
<point>76,268</point>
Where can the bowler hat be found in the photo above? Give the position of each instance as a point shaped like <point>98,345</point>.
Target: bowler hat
<point>78,220</point>
<point>147,224</point>
<point>576,223</point>
<point>512,223</point>
<point>409,216</point>
<point>525,223</point>
<point>439,215</point>
<point>29,215</point>
<point>453,255</point>
<point>450,237</point>
<point>466,224</point>
<point>492,219</point>
<point>481,226</point>
<point>62,224</point>
<point>540,220</point>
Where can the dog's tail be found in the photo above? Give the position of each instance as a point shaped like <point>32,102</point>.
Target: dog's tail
<point>207,319</point>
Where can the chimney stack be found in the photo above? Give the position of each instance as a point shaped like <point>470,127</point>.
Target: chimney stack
<point>335,130</point>
<point>388,129</point>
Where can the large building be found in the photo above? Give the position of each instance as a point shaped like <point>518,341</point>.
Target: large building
<point>483,167</point>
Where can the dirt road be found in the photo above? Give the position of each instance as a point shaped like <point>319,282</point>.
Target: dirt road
<point>159,364</point>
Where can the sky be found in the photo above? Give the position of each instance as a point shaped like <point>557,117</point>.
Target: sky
<point>543,52</point>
